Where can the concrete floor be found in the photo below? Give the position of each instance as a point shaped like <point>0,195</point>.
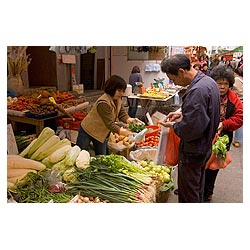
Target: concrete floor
<point>229,182</point>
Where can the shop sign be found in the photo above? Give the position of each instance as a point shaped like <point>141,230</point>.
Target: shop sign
<point>237,54</point>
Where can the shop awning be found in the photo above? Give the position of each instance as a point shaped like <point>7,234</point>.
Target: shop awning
<point>238,49</point>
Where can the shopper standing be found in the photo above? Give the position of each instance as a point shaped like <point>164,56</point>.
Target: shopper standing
<point>231,118</point>
<point>200,115</point>
<point>222,60</point>
<point>238,89</point>
<point>205,69</point>
<point>134,77</point>
<point>215,62</point>
<point>102,118</point>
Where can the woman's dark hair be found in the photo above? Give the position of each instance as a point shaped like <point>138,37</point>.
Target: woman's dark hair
<point>201,57</point>
<point>135,69</point>
<point>222,71</point>
<point>114,83</point>
<point>197,65</point>
<point>222,58</point>
<point>173,64</point>
<point>239,71</point>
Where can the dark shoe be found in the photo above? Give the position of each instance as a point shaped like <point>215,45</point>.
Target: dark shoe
<point>208,198</point>
<point>176,191</point>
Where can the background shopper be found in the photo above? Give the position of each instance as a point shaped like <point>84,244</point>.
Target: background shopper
<point>238,89</point>
<point>134,77</point>
<point>197,128</point>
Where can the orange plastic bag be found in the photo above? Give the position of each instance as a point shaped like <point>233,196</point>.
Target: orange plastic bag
<point>215,162</point>
<point>172,148</point>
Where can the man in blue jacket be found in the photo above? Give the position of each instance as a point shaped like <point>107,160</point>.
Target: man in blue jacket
<point>200,116</point>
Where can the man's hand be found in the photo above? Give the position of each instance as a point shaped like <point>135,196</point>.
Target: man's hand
<point>166,123</point>
<point>172,116</point>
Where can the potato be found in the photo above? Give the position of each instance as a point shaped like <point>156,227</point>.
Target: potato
<point>125,139</point>
<point>126,143</point>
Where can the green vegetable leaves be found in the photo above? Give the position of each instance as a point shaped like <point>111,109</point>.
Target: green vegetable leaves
<point>136,128</point>
<point>220,146</point>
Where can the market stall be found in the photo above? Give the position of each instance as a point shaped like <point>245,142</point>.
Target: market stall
<point>36,108</point>
<point>156,98</point>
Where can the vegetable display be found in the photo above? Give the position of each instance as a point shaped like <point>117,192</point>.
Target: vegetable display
<point>114,187</point>
<point>18,168</point>
<point>52,170</point>
<point>35,189</point>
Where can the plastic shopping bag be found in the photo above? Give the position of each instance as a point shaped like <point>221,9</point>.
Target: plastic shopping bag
<point>216,161</point>
<point>172,148</point>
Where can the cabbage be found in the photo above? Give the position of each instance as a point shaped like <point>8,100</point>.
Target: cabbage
<point>82,161</point>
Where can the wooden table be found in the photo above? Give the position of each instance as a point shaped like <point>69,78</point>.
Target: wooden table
<point>39,123</point>
<point>149,102</point>
<point>17,116</point>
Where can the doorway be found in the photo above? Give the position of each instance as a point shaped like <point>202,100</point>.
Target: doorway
<point>100,73</point>
<point>87,70</point>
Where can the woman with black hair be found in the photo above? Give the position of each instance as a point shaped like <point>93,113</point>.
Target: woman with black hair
<point>231,117</point>
<point>102,118</point>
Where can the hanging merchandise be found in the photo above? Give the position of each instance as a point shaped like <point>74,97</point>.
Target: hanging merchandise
<point>73,75</point>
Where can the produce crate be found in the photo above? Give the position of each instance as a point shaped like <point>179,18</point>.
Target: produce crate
<point>68,123</point>
<point>162,197</point>
<point>41,116</point>
<point>155,132</point>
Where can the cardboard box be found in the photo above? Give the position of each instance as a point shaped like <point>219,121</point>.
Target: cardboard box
<point>157,116</point>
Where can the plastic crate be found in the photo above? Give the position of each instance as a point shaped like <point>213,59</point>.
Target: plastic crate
<point>41,116</point>
<point>69,124</point>
<point>155,128</point>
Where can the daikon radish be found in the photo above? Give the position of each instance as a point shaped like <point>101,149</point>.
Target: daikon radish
<point>17,172</point>
<point>15,162</point>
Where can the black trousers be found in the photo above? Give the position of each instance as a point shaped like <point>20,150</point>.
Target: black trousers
<point>132,109</point>
<point>191,176</point>
<point>210,177</point>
